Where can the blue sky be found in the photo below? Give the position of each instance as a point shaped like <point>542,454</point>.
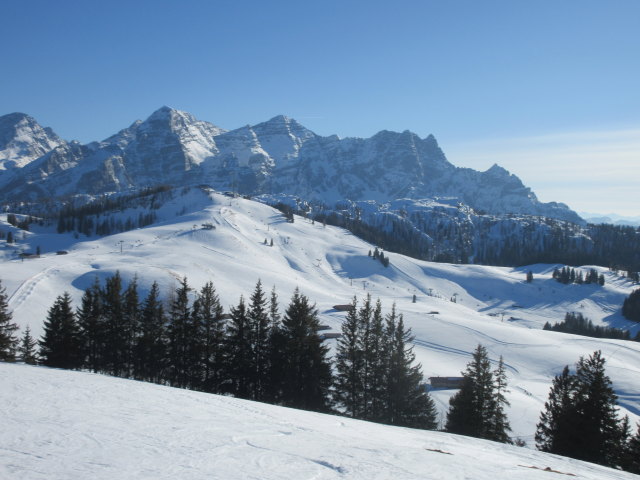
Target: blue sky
<point>542,88</point>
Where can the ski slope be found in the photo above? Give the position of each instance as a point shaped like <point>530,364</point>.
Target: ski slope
<point>61,424</point>
<point>493,306</point>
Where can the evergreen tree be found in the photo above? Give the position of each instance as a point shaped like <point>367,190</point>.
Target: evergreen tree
<point>238,355</point>
<point>8,339</point>
<point>208,310</point>
<point>61,345</point>
<point>598,430</point>
<point>90,323</point>
<point>499,426</point>
<point>27,348</point>
<point>258,318</point>
<point>580,418</point>
<point>349,365</point>
<point>555,428</point>
<point>130,324</point>
<point>115,335</point>
<point>408,403</point>
<point>307,369</point>
<point>631,461</point>
<point>276,375</point>
<point>473,409</point>
<point>151,346</point>
<point>179,334</point>
<point>530,276</point>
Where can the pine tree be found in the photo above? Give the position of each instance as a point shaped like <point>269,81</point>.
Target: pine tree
<point>598,431</point>
<point>61,345</point>
<point>349,365</point>
<point>631,461</point>
<point>408,403</point>
<point>580,418</point>
<point>179,334</point>
<point>276,375</point>
<point>8,339</point>
<point>114,334</point>
<point>238,352</point>
<point>555,429</point>
<point>209,310</point>
<point>499,425</point>
<point>307,369</point>
<point>151,347</point>
<point>130,324</point>
<point>258,318</point>
<point>27,348</point>
<point>90,323</point>
<point>472,409</point>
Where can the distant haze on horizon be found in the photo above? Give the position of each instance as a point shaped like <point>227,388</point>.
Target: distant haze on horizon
<point>546,90</point>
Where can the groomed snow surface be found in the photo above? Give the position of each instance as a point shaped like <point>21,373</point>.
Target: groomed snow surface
<point>73,425</point>
<point>493,306</point>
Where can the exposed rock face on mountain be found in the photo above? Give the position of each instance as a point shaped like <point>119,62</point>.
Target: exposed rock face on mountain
<point>22,140</point>
<point>277,156</point>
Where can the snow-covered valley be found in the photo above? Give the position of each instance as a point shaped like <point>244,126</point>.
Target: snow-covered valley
<point>457,306</point>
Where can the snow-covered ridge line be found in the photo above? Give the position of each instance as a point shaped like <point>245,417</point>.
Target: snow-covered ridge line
<point>277,156</point>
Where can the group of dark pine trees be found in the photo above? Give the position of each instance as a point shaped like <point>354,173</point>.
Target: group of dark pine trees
<point>253,352</point>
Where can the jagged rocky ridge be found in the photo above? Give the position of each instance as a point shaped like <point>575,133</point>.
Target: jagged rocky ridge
<point>279,156</point>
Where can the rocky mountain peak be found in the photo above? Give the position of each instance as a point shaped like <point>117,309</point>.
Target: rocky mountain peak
<point>23,139</point>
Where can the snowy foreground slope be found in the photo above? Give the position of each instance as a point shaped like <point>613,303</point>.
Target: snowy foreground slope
<point>493,306</point>
<point>62,424</point>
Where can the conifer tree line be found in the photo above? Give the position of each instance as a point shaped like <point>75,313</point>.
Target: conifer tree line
<point>568,275</point>
<point>578,324</point>
<point>254,352</point>
<point>631,306</point>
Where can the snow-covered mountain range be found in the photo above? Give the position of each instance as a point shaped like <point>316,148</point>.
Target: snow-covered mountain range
<point>279,156</point>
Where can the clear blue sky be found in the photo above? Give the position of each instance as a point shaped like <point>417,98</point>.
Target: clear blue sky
<point>489,79</point>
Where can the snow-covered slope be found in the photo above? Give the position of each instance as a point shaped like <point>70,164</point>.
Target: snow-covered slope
<point>61,424</point>
<point>279,156</point>
<point>493,306</point>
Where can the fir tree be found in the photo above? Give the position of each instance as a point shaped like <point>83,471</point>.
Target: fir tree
<point>61,345</point>
<point>90,323</point>
<point>130,324</point>
<point>27,348</point>
<point>151,347</point>
<point>307,369</point>
<point>114,333</point>
<point>258,318</point>
<point>473,409</point>
<point>499,426</point>
<point>631,460</point>
<point>179,334</point>
<point>209,310</point>
<point>555,428</point>
<point>8,339</point>
<point>238,352</point>
<point>580,418</point>
<point>408,403</point>
<point>349,365</point>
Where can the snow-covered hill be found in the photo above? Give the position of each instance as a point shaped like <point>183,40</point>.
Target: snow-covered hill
<point>279,156</point>
<point>493,306</point>
<point>61,424</point>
